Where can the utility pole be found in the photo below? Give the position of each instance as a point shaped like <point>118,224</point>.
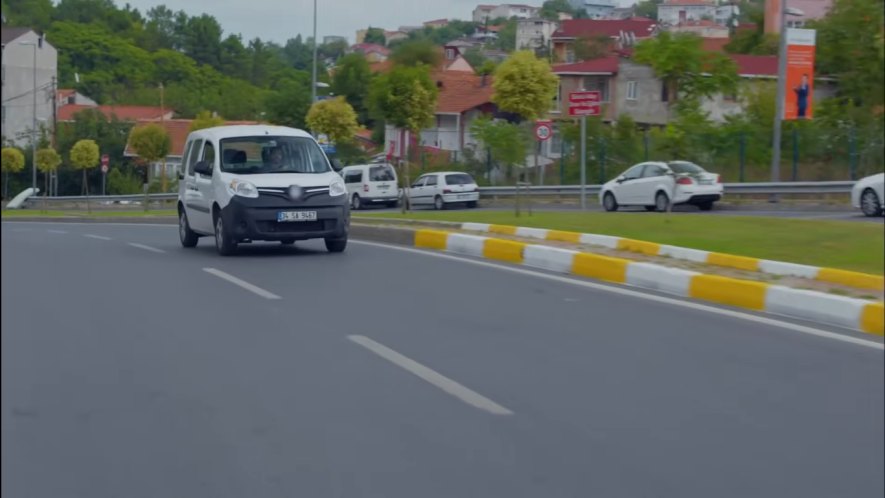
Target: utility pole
<point>163,125</point>
<point>313,85</point>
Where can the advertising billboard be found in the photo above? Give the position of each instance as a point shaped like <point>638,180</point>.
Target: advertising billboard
<point>800,74</point>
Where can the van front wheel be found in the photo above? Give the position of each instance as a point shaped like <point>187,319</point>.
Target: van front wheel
<point>224,243</point>
<point>336,245</point>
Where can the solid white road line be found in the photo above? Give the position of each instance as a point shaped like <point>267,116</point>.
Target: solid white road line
<point>99,237</point>
<point>242,283</point>
<point>642,295</point>
<point>57,231</point>
<point>446,384</point>
<point>146,248</point>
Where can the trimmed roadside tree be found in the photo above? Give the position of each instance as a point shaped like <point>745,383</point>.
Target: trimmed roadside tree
<point>13,161</point>
<point>524,85</point>
<point>48,161</point>
<point>334,118</point>
<point>84,156</point>
<point>152,143</point>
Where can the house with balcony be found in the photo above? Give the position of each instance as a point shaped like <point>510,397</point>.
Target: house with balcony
<point>534,34</point>
<point>26,55</point>
<point>621,33</point>
<point>463,97</point>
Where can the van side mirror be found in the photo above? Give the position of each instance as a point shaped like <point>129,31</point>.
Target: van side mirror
<point>336,164</point>
<point>203,168</point>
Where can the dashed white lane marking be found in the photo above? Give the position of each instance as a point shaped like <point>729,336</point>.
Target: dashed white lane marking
<point>146,248</point>
<point>242,283</point>
<point>448,385</point>
<point>57,231</point>
<point>99,237</point>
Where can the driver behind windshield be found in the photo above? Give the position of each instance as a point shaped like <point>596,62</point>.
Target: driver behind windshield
<point>275,159</point>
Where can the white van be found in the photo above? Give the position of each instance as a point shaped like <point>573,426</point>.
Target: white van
<point>257,182</point>
<point>369,184</point>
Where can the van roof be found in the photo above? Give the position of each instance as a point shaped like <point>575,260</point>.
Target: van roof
<point>234,131</point>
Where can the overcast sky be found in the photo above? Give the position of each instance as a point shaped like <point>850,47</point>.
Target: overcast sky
<point>279,20</point>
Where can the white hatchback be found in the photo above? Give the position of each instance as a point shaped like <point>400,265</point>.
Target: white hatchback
<point>654,185</point>
<point>868,194</point>
<point>443,189</point>
<point>369,184</point>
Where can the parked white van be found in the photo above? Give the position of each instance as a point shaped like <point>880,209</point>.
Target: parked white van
<point>257,182</point>
<point>369,184</point>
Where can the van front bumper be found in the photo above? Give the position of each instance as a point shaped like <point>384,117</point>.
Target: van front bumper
<point>256,219</point>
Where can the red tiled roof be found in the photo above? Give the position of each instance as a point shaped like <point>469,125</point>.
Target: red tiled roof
<point>756,65</point>
<point>461,91</point>
<point>371,47</point>
<point>607,65</point>
<point>178,130</point>
<point>576,28</point>
<point>494,29</point>
<point>122,112</point>
<point>437,22</point>
<point>64,93</point>
<point>714,44</point>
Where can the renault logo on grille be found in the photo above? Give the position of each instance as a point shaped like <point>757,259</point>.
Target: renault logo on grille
<point>296,192</point>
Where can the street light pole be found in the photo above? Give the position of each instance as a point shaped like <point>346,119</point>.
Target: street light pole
<point>781,95</point>
<point>313,85</point>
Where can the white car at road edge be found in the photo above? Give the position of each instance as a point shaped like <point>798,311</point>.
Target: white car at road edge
<point>868,194</point>
<point>655,185</point>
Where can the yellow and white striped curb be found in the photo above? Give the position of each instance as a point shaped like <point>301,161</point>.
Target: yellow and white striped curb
<point>831,275</point>
<point>857,314</point>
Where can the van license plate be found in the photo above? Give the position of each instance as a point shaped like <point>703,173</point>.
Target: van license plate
<point>297,216</point>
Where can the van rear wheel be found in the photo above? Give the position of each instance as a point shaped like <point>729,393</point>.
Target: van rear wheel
<point>188,237</point>
<point>356,203</point>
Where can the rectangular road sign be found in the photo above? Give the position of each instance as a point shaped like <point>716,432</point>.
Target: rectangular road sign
<point>584,110</point>
<point>584,97</point>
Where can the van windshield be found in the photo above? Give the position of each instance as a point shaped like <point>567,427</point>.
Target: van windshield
<point>269,154</point>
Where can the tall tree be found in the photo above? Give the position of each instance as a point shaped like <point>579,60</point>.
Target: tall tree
<point>202,40</point>
<point>48,161</point>
<point>84,156</point>
<point>688,72</point>
<point>289,104</point>
<point>524,85</point>
<point>152,143</point>
<point>415,53</point>
<point>376,36</point>
<point>507,143</point>
<point>351,80</point>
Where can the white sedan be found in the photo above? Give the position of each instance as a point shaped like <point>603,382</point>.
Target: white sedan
<point>655,185</point>
<point>441,190</point>
<point>868,193</point>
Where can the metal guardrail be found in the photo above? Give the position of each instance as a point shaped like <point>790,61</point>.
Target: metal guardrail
<point>810,188</point>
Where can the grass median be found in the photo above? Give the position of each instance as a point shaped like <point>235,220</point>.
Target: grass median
<point>838,244</point>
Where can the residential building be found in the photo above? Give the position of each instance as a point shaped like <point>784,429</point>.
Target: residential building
<point>409,29</point>
<point>593,75</point>
<point>704,28</point>
<point>622,33</point>
<point>392,36</point>
<point>22,47</point>
<point>436,23</point>
<point>678,12</point>
<point>459,47</point>
<point>811,10</point>
<point>335,39</point>
<point>621,13</point>
<point>484,13</point>
<point>535,33</point>
<point>373,52</point>
<point>462,98</point>
<point>596,9</point>
<point>66,96</point>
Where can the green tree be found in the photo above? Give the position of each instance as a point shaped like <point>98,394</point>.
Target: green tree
<point>48,162</point>
<point>351,80</point>
<point>202,40</point>
<point>475,57</point>
<point>551,9</point>
<point>753,41</point>
<point>84,156</point>
<point>524,85</point>
<point>334,118</point>
<point>152,143</point>
<point>849,48</point>
<point>592,47</point>
<point>376,36</point>
<point>205,119</point>
<point>688,72</point>
<point>36,14</point>
<point>120,183</point>
<point>647,8</point>
<point>13,162</point>
<point>506,142</point>
<point>288,106</point>
<point>507,36</point>
<point>417,52</point>
<point>405,98</point>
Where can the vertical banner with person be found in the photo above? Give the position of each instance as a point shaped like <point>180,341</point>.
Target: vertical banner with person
<point>800,74</point>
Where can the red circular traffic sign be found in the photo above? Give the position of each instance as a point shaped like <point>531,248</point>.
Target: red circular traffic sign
<point>543,130</point>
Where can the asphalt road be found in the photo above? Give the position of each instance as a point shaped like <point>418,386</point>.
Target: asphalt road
<point>132,367</point>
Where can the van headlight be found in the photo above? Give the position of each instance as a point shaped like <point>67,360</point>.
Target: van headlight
<point>242,189</point>
<point>337,188</point>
